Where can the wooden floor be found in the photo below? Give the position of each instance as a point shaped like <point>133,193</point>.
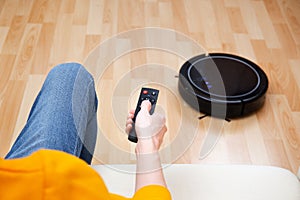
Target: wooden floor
<point>36,35</point>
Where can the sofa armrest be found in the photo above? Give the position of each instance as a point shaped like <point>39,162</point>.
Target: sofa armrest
<point>194,182</point>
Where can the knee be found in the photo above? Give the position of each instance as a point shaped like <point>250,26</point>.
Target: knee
<point>69,69</point>
<point>65,68</point>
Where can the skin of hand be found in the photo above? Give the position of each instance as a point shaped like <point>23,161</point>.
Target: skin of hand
<point>150,131</point>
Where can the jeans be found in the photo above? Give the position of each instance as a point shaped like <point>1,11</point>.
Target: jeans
<point>63,116</point>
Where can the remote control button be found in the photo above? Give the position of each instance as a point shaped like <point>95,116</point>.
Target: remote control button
<point>152,101</point>
<point>153,93</point>
<point>145,91</point>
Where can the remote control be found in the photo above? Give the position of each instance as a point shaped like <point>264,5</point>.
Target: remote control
<point>146,94</point>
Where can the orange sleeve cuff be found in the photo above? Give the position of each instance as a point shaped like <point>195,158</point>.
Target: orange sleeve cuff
<point>152,192</point>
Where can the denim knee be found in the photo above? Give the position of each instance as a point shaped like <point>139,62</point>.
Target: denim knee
<point>65,68</point>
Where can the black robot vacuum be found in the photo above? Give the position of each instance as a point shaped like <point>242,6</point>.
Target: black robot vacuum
<point>222,85</point>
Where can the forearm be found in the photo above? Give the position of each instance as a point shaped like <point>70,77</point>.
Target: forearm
<point>149,170</point>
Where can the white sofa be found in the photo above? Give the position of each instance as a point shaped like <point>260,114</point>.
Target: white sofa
<point>197,182</point>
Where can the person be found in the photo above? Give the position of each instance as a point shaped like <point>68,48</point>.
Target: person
<point>51,156</point>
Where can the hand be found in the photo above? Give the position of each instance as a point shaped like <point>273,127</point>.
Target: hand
<point>150,129</point>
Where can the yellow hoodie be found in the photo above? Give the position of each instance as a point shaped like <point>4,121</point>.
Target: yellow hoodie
<point>50,174</point>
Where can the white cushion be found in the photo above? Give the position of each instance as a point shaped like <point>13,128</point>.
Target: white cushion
<point>194,182</point>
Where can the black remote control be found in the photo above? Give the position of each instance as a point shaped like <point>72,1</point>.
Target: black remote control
<point>146,94</point>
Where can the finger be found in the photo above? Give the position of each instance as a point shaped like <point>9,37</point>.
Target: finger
<point>146,105</point>
<point>130,116</point>
<point>128,128</point>
<point>129,121</point>
<point>131,113</point>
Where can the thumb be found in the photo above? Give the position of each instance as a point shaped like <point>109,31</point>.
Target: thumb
<point>145,106</point>
<point>143,116</point>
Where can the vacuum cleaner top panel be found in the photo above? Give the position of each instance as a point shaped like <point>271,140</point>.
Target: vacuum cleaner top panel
<point>237,77</point>
<point>224,78</point>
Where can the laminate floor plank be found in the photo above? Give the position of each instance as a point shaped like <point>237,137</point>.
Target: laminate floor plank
<point>36,35</point>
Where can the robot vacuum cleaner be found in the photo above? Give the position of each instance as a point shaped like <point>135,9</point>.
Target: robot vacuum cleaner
<point>222,85</point>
